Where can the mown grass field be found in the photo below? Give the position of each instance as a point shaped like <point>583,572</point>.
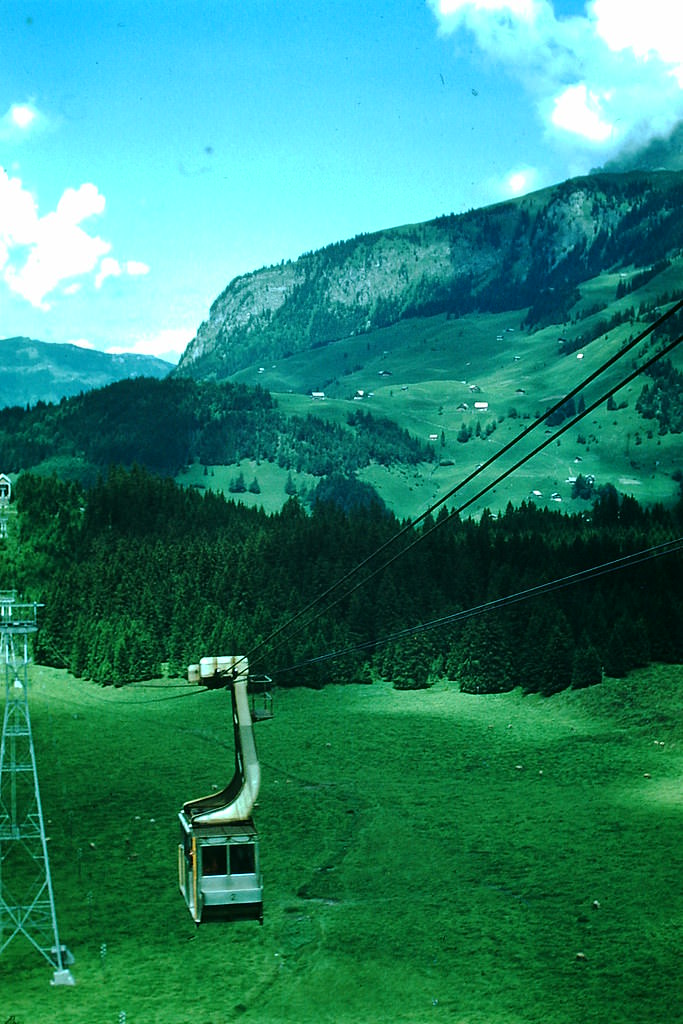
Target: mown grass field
<point>427,856</point>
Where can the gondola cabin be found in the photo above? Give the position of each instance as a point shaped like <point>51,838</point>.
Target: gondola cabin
<point>218,856</point>
<point>219,871</point>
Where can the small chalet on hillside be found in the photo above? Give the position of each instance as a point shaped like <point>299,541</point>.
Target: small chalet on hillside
<point>5,489</point>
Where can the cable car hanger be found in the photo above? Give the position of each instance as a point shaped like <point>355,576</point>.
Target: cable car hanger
<point>218,857</point>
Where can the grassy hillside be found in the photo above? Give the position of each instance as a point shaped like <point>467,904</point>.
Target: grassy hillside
<point>426,856</point>
<point>533,252</point>
<point>420,373</point>
<point>424,375</point>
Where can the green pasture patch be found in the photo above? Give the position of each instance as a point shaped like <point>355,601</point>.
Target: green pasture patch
<point>519,378</point>
<point>271,478</point>
<point>333,410</point>
<point>426,855</point>
<point>425,374</point>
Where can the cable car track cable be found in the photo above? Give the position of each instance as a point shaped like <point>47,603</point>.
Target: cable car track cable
<point>539,421</point>
<point>593,572</point>
<point>455,512</point>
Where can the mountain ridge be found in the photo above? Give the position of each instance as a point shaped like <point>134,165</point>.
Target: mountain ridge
<point>39,371</point>
<point>529,253</point>
<point>566,277</point>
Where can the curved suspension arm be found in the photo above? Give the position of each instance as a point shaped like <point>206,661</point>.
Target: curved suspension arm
<point>236,801</point>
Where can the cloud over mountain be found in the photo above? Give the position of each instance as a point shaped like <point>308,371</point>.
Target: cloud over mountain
<point>605,81</point>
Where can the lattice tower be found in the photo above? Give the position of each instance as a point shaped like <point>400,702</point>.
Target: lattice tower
<point>27,906</point>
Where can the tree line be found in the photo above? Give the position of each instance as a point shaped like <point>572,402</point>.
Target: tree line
<point>140,577</point>
<point>662,400</point>
<point>170,423</point>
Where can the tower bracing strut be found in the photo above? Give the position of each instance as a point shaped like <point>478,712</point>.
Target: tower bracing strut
<point>27,906</point>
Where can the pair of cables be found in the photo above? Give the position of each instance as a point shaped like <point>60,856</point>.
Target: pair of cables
<point>614,565</point>
<point>326,601</point>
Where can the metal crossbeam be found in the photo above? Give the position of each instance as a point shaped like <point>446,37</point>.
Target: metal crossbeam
<point>27,906</point>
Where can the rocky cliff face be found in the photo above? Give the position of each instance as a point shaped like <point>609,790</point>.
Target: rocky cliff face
<point>531,252</point>
<point>247,304</point>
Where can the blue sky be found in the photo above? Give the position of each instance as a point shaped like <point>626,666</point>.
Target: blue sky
<point>152,151</point>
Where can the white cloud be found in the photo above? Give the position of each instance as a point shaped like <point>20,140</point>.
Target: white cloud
<point>109,267</point>
<point>609,78</point>
<point>77,204</point>
<point>518,8</point>
<point>649,30</point>
<point>579,111</point>
<point>38,254</point>
<point>58,248</point>
<point>166,344</point>
<point>136,269</point>
<point>81,343</point>
<point>18,216</point>
<point>514,32</point>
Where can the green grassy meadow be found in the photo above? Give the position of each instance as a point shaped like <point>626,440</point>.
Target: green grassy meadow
<point>419,373</point>
<point>427,856</point>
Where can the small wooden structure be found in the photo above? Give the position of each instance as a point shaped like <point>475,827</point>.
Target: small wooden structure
<point>5,497</point>
<point>5,489</point>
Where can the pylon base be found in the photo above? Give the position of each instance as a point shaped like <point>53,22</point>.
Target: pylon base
<point>64,977</point>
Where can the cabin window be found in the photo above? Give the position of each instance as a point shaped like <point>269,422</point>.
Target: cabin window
<point>214,860</point>
<point>242,859</point>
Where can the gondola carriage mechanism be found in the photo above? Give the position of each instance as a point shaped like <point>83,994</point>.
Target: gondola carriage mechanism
<point>219,868</point>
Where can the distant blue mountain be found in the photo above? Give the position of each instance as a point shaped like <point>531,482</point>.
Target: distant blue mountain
<point>38,371</point>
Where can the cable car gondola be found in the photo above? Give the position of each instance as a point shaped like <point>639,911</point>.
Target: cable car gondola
<point>218,857</point>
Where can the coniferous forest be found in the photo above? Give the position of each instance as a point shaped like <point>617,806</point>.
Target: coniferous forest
<point>140,577</point>
<point>170,423</point>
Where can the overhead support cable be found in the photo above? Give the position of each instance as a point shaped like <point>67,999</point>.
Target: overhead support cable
<point>317,602</point>
<point>614,565</point>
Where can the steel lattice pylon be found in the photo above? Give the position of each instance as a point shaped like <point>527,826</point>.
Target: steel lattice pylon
<point>27,905</point>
